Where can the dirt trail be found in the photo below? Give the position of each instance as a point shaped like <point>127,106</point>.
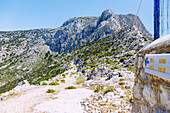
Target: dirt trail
<point>25,101</point>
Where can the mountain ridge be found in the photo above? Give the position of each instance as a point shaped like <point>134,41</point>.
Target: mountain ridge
<point>81,30</point>
<point>31,56</point>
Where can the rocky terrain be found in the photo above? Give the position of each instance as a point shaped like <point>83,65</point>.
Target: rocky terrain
<point>96,48</point>
<point>106,94</point>
<point>81,30</point>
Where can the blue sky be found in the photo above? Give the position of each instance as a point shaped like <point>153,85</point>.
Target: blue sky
<point>33,14</point>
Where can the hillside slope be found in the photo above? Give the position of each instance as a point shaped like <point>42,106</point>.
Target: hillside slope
<point>28,54</point>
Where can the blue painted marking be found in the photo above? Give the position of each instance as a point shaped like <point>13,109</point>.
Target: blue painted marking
<point>146,61</point>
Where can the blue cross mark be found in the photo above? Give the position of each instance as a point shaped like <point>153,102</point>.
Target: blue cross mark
<point>146,61</point>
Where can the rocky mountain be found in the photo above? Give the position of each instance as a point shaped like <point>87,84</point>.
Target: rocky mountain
<point>81,30</point>
<point>96,45</point>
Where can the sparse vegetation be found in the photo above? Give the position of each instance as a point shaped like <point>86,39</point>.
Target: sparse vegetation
<point>103,52</point>
<point>109,89</point>
<point>99,88</point>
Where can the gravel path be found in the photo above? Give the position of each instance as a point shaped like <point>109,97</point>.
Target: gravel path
<point>25,101</point>
<point>68,102</point>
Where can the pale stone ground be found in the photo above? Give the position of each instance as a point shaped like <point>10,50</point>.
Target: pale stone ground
<point>36,97</point>
<point>67,102</point>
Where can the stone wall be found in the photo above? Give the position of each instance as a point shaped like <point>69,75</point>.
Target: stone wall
<point>151,93</point>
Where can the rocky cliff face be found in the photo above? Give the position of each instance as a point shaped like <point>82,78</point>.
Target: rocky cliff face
<point>81,30</point>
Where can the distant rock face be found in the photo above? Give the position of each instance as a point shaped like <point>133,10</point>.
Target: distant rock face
<point>81,30</point>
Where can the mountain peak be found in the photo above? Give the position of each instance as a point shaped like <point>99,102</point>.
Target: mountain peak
<point>106,14</point>
<point>78,31</point>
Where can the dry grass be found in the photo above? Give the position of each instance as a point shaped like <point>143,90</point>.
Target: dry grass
<point>80,80</point>
<point>54,83</point>
<point>70,87</point>
<point>63,81</point>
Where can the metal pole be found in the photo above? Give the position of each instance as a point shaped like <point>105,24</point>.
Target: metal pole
<point>156,19</point>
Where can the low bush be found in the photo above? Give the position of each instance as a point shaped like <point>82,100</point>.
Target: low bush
<point>121,83</point>
<point>64,76</point>
<point>145,39</point>
<point>70,87</point>
<point>98,88</point>
<point>115,67</point>
<point>83,70</point>
<point>109,89</point>
<point>121,79</point>
<point>80,80</point>
<point>129,54</point>
<point>130,68</point>
<point>57,80</point>
<point>44,83</point>
<point>53,83</point>
<point>63,81</point>
<point>50,91</point>
<point>122,59</point>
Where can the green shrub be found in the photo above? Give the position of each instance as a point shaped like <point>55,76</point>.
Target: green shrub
<point>70,87</point>
<point>145,39</point>
<point>109,89</point>
<point>109,61</point>
<point>44,83</point>
<point>83,70</point>
<point>108,54</point>
<point>63,81</point>
<point>116,67</point>
<point>130,68</point>
<point>136,44</point>
<point>122,59</point>
<point>80,80</point>
<point>69,63</point>
<point>121,79</point>
<point>64,76</point>
<point>129,54</point>
<point>57,80</point>
<point>53,83</point>
<point>121,83</point>
<point>130,41</point>
<point>99,88</point>
<point>50,91</point>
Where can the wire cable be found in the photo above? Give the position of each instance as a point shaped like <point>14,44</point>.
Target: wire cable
<point>133,23</point>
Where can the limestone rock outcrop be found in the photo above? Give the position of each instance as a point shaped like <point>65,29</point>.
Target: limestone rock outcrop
<point>81,30</point>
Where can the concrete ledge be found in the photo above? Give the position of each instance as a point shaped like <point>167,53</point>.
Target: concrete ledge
<point>163,42</point>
